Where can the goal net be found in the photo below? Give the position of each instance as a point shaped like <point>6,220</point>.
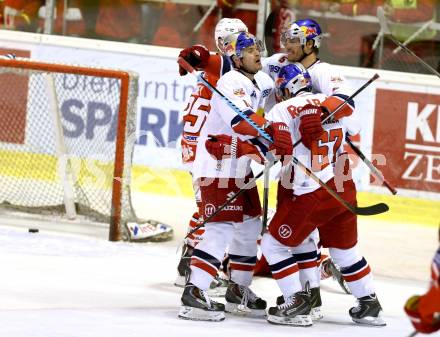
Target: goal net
<point>66,140</point>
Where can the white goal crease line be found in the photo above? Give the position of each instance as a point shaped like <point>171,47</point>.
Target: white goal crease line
<point>422,147</point>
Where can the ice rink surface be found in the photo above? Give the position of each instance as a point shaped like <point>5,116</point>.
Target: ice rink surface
<point>56,284</point>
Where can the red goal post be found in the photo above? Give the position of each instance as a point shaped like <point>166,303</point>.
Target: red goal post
<point>67,135</point>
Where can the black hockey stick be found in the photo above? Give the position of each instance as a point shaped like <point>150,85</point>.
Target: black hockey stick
<point>387,33</point>
<point>369,210</point>
<point>267,166</point>
<point>370,165</point>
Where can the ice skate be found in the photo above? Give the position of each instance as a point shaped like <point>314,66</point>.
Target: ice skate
<point>295,311</point>
<point>315,301</point>
<point>241,300</point>
<point>368,311</point>
<point>197,306</point>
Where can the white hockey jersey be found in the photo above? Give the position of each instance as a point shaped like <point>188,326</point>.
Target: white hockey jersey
<point>326,79</point>
<point>249,96</point>
<point>323,152</point>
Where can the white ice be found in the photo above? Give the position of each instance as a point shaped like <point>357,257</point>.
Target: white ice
<point>56,284</point>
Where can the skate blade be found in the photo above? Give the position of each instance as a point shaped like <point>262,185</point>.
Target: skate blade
<point>180,281</point>
<point>299,320</point>
<point>196,314</point>
<point>370,321</point>
<point>316,314</point>
<point>239,310</point>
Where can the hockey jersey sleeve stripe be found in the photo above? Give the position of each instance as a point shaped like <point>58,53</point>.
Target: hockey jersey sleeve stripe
<point>343,97</point>
<point>260,146</point>
<point>237,119</point>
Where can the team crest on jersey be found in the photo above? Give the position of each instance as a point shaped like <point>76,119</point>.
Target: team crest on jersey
<point>336,79</point>
<point>239,92</point>
<point>285,231</point>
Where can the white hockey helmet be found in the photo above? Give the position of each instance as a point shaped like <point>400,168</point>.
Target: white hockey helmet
<point>292,79</point>
<point>225,27</point>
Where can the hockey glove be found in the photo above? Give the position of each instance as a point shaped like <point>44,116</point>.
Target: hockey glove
<point>282,140</point>
<point>422,323</point>
<point>310,126</point>
<point>224,146</point>
<point>197,56</point>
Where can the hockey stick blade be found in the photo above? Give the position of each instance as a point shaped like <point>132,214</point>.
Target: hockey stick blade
<point>372,210</point>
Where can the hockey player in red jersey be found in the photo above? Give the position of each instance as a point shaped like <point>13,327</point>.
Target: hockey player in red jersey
<point>196,111</point>
<point>237,226</point>
<point>424,310</point>
<point>313,207</point>
<point>302,41</point>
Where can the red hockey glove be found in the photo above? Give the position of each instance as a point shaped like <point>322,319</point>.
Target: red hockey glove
<point>331,103</point>
<point>282,140</point>
<point>197,56</point>
<point>224,146</point>
<point>219,146</point>
<point>423,324</point>
<point>310,126</point>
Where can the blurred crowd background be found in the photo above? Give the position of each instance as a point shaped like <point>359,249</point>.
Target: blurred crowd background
<point>351,28</point>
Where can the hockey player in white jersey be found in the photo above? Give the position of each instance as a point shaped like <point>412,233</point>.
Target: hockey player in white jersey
<point>238,225</point>
<point>214,66</point>
<point>312,207</point>
<point>302,41</point>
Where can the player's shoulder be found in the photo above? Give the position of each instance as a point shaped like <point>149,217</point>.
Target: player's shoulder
<point>264,79</point>
<point>233,79</point>
<point>232,75</point>
<point>320,66</point>
<point>278,59</point>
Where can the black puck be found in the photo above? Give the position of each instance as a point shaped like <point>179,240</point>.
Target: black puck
<point>33,230</point>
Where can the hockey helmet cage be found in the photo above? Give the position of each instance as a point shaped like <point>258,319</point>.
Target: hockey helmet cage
<point>225,27</point>
<point>235,43</point>
<point>293,78</point>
